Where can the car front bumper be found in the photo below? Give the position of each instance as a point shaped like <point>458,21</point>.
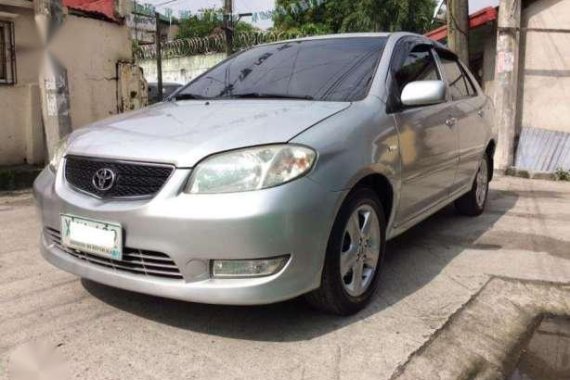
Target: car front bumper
<point>293,219</point>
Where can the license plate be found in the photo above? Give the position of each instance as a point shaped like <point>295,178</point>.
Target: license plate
<point>99,238</point>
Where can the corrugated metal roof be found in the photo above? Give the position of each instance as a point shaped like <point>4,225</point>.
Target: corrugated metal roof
<point>542,150</point>
<point>482,17</point>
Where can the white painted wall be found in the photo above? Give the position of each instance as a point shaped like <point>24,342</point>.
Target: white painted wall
<point>19,104</point>
<point>546,67</point>
<point>90,49</point>
<point>181,70</point>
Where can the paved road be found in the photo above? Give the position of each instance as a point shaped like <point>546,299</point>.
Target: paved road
<point>430,272</point>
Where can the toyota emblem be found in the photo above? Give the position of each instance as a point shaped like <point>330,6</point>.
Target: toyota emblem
<point>104,179</point>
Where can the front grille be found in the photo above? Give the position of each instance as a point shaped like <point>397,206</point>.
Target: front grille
<point>131,179</point>
<point>138,261</point>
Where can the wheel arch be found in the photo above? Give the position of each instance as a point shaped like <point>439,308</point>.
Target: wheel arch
<point>382,186</point>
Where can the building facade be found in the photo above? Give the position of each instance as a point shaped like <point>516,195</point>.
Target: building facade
<point>94,46</point>
<point>542,122</point>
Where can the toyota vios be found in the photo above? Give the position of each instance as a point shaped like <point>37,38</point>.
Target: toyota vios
<point>280,172</point>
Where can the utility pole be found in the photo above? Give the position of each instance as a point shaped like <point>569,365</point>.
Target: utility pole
<point>458,28</point>
<point>506,81</point>
<point>158,56</point>
<point>229,26</point>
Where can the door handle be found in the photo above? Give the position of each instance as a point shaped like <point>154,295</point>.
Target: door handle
<point>481,113</point>
<point>451,122</point>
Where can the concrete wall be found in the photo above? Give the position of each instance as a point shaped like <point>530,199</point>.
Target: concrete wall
<point>545,66</point>
<point>21,136</point>
<point>90,50</point>
<point>181,70</point>
<point>489,53</point>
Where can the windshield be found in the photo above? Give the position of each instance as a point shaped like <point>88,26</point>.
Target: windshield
<point>329,69</point>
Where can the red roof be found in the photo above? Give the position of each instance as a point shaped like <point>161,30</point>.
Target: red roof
<point>104,8</point>
<point>476,20</point>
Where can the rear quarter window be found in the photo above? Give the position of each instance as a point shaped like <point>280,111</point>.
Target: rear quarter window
<point>460,86</point>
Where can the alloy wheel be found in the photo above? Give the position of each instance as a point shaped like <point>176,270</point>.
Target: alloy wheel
<point>482,184</point>
<point>360,250</point>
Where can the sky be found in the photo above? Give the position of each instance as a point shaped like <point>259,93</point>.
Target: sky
<point>247,6</point>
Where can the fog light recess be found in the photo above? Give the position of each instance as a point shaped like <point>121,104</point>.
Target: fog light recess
<point>248,268</point>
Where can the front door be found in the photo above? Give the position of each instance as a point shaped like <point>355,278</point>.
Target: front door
<point>428,142</point>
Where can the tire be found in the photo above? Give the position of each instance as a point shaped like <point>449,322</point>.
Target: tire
<point>358,249</point>
<point>473,203</point>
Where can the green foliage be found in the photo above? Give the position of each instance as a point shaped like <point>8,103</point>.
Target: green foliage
<point>201,25</point>
<point>244,27</point>
<point>562,175</point>
<point>207,23</point>
<point>337,16</point>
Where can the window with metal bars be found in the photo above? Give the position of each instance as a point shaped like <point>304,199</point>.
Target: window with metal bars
<point>7,53</point>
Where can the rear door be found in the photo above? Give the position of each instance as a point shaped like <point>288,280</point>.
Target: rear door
<point>428,142</point>
<point>467,108</point>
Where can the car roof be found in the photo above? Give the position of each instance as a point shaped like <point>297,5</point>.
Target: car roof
<point>341,35</point>
<point>329,37</point>
<point>393,36</point>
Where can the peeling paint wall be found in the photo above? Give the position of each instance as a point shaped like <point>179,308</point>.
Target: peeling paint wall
<point>545,69</point>
<point>90,50</point>
<point>133,88</point>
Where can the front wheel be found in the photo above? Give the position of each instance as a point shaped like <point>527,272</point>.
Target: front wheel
<point>354,255</point>
<point>473,203</point>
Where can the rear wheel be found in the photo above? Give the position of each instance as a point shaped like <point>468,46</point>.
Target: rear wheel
<point>473,203</point>
<point>354,255</point>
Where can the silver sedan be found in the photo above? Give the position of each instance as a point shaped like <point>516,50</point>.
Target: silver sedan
<point>280,172</point>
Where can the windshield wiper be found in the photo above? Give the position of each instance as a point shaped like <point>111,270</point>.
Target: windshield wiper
<point>261,95</point>
<point>188,97</point>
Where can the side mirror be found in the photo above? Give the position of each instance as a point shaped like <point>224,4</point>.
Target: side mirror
<point>423,93</point>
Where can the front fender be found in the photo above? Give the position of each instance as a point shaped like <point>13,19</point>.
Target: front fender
<point>361,141</point>
<point>353,145</point>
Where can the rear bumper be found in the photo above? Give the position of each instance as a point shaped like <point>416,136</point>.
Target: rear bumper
<point>293,219</point>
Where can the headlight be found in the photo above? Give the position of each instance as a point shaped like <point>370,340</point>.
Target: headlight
<point>58,154</point>
<point>251,169</point>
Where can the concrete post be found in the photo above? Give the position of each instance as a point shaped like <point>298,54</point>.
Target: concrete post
<point>458,28</point>
<point>506,81</point>
<point>53,76</point>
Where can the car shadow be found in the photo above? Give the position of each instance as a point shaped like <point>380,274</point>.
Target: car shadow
<point>412,261</point>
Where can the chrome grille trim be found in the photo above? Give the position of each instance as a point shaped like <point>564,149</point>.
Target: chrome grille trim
<point>136,261</point>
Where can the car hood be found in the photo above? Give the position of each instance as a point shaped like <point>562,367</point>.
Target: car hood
<point>184,132</point>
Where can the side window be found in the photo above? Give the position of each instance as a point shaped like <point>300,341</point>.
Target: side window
<point>459,85</point>
<point>419,65</point>
<point>470,87</point>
